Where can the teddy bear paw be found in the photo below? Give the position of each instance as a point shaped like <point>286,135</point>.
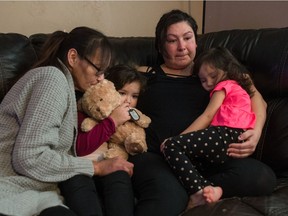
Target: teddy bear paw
<point>134,148</point>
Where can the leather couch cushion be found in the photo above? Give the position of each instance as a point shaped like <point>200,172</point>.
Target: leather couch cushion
<point>272,148</point>
<point>16,56</point>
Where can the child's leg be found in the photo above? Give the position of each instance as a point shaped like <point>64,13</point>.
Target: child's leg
<point>81,196</point>
<point>182,152</point>
<point>117,194</point>
<point>186,172</point>
<point>185,153</point>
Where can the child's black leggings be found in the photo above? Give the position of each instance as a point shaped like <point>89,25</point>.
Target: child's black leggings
<point>189,154</point>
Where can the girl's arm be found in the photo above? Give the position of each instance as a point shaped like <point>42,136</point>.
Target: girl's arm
<point>252,136</point>
<point>88,142</point>
<point>204,120</point>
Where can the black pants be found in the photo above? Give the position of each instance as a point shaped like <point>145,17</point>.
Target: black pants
<point>157,190</point>
<point>160,193</point>
<point>252,177</point>
<point>57,211</point>
<point>111,195</point>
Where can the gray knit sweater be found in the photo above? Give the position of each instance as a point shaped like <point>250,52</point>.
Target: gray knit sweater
<point>38,125</point>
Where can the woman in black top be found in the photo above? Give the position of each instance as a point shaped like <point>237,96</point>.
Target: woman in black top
<point>173,99</point>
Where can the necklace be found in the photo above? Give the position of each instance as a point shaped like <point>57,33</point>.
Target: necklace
<point>177,75</point>
<point>172,74</point>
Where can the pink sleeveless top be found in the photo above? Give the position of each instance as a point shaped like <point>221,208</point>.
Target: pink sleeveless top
<point>235,111</point>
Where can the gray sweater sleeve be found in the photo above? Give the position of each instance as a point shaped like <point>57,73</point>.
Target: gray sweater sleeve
<point>45,108</point>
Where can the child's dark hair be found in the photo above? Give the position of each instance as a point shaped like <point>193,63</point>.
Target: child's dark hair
<point>221,58</point>
<point>121,75</point>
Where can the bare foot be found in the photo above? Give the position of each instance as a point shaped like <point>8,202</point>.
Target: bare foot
<point>212,194</point>
<point>196,199</point>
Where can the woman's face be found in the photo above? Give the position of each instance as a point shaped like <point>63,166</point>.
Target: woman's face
<point>87,72</point>
<point>130,93</point>
<point>180,46</point>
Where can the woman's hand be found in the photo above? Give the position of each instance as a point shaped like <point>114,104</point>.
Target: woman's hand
<point>248,145</point>
<point>105,167</point>
<point>120,114</point>
<point>250,138</point>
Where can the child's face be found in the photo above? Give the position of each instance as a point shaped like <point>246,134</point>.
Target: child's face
<point>130,93</point>
<point>210,76</point>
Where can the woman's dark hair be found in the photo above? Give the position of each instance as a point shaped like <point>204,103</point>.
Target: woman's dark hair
<point>168,19</point>
<point>85,40</point>
<point>221,58</point>
<point>121,75</point>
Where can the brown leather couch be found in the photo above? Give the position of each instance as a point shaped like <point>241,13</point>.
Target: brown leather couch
<point>265,54</point>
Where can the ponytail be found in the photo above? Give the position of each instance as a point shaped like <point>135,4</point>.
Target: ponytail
<point>50,50</point>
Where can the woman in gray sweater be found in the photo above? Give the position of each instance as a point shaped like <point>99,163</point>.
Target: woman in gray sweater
<point>38,125</point>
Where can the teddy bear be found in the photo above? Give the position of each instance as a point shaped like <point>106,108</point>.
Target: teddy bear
<point>98,102</point>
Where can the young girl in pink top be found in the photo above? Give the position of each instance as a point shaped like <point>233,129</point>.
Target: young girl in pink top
<point>205,142</point>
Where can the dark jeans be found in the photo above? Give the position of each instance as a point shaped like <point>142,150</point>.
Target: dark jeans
<point>111,195</point>
<point>160,193</point>
<point>157,190</point>
<point>243,177</point>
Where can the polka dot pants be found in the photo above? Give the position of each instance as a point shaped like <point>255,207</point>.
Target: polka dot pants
<point>188,154</point>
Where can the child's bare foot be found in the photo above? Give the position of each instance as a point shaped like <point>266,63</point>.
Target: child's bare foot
<point>212,194</point>
<point>196,199</point>
<point>208,195</point>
